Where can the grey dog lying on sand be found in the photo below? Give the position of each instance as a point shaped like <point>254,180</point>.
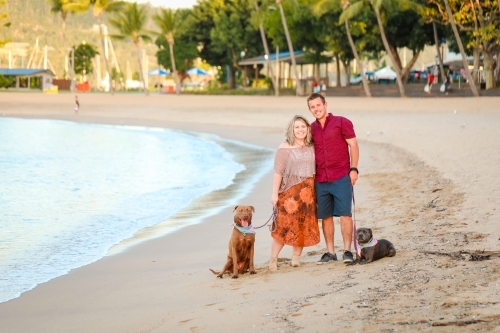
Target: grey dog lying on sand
<point>371,248</point>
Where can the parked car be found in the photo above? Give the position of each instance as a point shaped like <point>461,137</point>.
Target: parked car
<point>417,76</point>
<point>357,79</point>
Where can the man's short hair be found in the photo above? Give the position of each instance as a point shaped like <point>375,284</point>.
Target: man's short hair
<point>314,96</point>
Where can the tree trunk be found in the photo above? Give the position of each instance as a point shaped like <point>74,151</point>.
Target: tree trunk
<point>337,67</point>
<point>408,67</point>
<point>174,69</point>
<point>141,74</point>
<point>440,57</point>
<point>298,86</point>
<point>472,85</point>
<point>63,16</point>
<point>106,62</point>
<point>388,49</point>
<point>489,78</point>
<point>475,72</point>
<point>358,61</point>
<point>497,69</point>
<point>317,74</point>
<point>347,69</point>
<point>266,50</point>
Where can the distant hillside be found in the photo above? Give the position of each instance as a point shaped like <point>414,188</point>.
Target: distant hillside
<point>32,19</point>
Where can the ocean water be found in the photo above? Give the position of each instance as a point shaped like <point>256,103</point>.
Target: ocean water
<point>69,191</point>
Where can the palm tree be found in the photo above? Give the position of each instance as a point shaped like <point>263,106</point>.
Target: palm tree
<point>472,85</point>
<point>131,22</point>
<point>98,7</point>
<point>376,4</point>
<point>298,87</point>
<point>266,50</point>
<point>345,5</point>
<point>168,20</point>
<point>357,7</point>
<point>58,7</point>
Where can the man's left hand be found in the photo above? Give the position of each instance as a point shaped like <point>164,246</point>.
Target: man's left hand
<point>354,177</point>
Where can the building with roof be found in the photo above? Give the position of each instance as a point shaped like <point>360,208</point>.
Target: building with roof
<point>281,63</point>
<point>24,76</point>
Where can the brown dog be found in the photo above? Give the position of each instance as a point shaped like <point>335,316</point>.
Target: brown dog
<point>372,249</point>
<point>241,244</point>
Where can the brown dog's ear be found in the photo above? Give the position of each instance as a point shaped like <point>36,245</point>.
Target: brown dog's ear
<point>235,207</point>
<point>370,229</point>
<point>253,209</point>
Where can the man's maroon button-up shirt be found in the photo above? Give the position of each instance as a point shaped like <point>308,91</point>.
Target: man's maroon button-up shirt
<point>332,152</point>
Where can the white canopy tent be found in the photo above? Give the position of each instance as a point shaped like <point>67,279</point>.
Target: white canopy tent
<point>385,73</point>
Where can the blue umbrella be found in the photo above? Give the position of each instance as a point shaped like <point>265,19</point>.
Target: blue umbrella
<point>158,71</point>
<point>196,71</point>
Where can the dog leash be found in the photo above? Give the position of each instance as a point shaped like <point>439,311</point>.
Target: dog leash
<point>354,238</point>
<point>272,226</point>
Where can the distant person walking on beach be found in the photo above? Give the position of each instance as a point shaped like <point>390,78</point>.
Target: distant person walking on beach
<point>337,154</point>
<point>293,193</point>
<point>77,104</point>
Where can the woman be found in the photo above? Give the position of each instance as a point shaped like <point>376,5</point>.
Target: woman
<point>293,193</point>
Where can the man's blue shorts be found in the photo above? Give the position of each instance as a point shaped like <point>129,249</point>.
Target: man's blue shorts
<point>334,198</point>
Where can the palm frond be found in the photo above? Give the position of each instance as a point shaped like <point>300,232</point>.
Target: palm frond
<point>417,8</point>
<point>321,7</point>
<point>118,37</point>
<point>77,7</point>
<point>353,10</point>
<point>114,6</point>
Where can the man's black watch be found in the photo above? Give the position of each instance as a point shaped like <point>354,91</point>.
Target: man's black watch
<point>354,169</point>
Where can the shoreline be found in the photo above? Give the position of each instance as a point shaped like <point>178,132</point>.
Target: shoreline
<point>212,203</point>
<point>422,178</point>
<point>256,162</point>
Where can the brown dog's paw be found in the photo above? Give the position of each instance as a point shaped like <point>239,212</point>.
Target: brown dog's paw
<point>253,272</point>
<point>234,277</point>
<point>219,276</point>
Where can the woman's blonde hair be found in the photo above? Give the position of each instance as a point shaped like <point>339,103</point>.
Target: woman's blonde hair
<point>290,137</point>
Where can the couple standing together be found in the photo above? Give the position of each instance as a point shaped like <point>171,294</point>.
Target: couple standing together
<point>314,181</point>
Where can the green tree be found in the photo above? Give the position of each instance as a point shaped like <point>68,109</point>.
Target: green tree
<point>168,21</point>
<point>131,23</point>
<point>3,16</point>
<point>98,8</point>
<point>223,30</point>
<point>482,21</point>
<point>441,10</point>
<point>461,47</point>
<point>335,6</point>
<point>84,53</point>
<point>382,10</point>
<point>185,54</point>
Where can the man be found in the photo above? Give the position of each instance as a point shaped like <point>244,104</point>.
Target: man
<point>337,155</point>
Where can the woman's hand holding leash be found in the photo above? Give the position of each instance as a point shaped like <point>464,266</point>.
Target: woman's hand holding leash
<point>274,199</point>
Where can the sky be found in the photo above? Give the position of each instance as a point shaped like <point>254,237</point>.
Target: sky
<point>171,3</point>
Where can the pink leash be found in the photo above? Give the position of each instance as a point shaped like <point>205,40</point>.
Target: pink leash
<point>354,239</point>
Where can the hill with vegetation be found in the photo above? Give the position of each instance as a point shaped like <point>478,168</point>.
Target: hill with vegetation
<point>32,20</point>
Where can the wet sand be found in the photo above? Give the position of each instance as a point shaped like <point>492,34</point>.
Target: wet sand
<point>429,180</point>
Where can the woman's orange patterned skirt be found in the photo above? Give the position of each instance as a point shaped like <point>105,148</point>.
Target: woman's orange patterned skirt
<point>297,224</point>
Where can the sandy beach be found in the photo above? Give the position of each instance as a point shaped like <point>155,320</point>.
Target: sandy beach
<point>429,181</point>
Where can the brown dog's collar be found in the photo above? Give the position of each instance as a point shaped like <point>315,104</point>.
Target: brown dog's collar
<point>247,230</point>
